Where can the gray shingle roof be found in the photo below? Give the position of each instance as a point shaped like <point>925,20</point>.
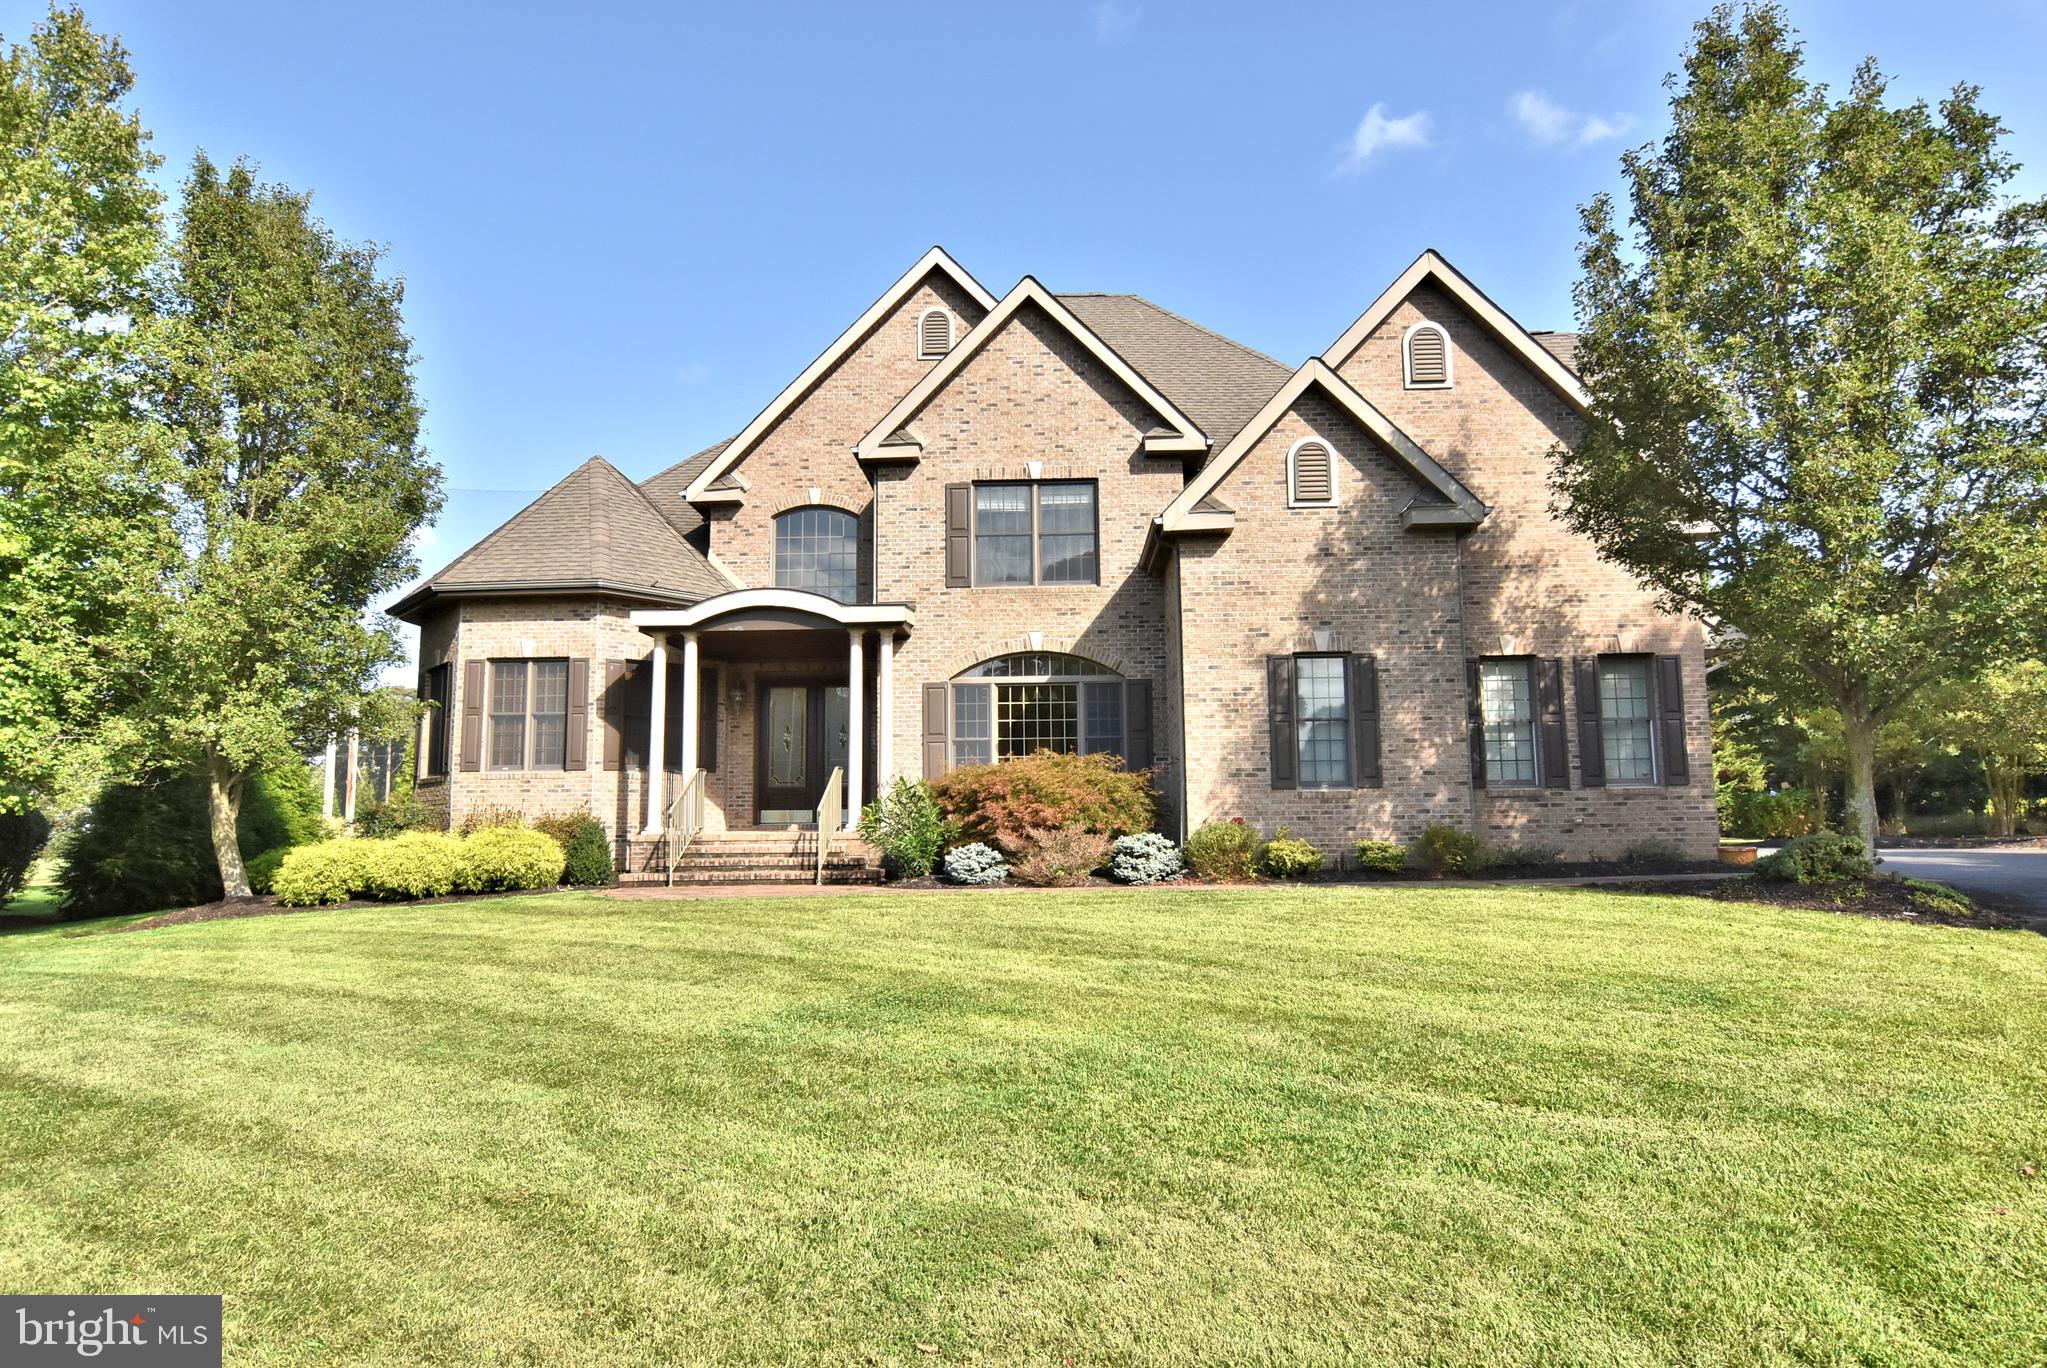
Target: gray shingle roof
<point>665,488</point>
<point>1218,383</point>
<point>595,530</point>
<point>1562,345</point>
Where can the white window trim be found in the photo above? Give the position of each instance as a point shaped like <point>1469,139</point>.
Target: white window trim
<point>1334,461</point>
<point>951,333</point>
<point>1407,356</point>
<point>995,757</point>
<point>1655,779</point>
<point>1527,665</point>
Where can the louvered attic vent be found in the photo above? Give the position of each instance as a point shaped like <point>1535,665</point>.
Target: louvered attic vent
<point>934,333</point>
<point>1314,477</point>
<point>1428,357</point>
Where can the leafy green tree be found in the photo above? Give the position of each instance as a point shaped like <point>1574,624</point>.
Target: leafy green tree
<point>282,417</point>
<point>80,530</point>
<point>1819,400</point>
<point>2002,716</point>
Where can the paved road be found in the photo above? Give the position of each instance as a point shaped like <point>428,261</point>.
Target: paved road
<point>2017,874</point>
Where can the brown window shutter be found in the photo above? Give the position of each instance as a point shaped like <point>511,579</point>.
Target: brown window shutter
<point>1137,752</point>
<point>1364,723</point>
<point>707,720</point>
<point>936,750</point>
<point>1428,357</point>
<point>639,711</point>
<point>959,536</point>
<point>1591,741</point>
<point>1476,724</point>
<point>1279,721</point>
<point>1551,732</point>
<point>614,713</point>
<point>1313,482</point>
<point>472,715</point>
<point>1670,714</point>
<point>575,754</point>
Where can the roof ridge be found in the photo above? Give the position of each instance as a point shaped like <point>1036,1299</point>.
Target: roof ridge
<point>677,465</point>
<point>477,547</point>
<point>1201,328</point>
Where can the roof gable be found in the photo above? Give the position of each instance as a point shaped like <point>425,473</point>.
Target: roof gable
<point>1197,510</point>
<point>1430,267</point>
<point>594,531</point>
<point>888,441</point>
<point>1218,382</point>
<point>710,485</point>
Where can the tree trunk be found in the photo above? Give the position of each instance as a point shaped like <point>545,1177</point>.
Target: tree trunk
<point>2007,786</point>
<point>223,806</point>
<point>1858,731</point>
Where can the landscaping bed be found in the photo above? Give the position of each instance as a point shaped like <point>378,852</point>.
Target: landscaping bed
<point>1884,896</point>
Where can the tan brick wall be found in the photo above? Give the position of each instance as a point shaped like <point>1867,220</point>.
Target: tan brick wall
<point>1032,394</point>
<point>1354,572</point>
<point>811,447</point>
<point>1531,587</point>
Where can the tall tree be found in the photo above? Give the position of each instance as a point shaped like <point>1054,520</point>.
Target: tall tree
<point>78,537</point>
<point>2002,717</point>
<point>1818,384</point>
<point>283,419</point>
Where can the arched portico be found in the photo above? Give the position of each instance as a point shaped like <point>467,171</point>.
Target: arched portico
<point>800,670</point>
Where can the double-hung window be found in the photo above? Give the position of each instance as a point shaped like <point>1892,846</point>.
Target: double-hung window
<point>1627,729</point>
<point>1039,532</point>
<point>529,714</point>
<point>1322,720</point>
<point>1506,700</point>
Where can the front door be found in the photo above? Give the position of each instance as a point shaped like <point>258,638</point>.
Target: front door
<point>802,730</point>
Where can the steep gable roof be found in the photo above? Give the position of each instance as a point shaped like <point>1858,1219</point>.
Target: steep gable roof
<point>1430,267</point>
<point>1217,382</point>
<point>594,532</point>
<point>1195,510</point>
<point>665,487</point>
<point>887,441</point>
<point>708,485</point>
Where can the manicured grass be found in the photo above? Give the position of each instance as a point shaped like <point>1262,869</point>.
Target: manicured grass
<point>39,894</point>
<point>1454,1126</point>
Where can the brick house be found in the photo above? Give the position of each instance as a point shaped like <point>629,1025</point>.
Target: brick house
<point>1332,597</point>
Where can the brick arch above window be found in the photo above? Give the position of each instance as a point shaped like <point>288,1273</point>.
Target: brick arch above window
<point>991,648</point>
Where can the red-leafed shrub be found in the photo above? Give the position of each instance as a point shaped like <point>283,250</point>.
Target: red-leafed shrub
<point>1003,802</point>
<point>1061,859</point>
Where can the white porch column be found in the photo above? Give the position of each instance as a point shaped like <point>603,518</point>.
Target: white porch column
<point>856,707</point>
<point>348,794</point>
<point>327,782</point>
<point>657,738</point>
<point>884,709</point>
<point>691,705</point>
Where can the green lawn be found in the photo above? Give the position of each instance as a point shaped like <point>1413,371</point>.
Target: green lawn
<point>1320,1125</point>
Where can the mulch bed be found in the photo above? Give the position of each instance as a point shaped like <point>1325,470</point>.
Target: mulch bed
<point>1884,897</point>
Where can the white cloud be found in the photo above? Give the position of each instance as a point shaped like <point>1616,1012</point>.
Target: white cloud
<point>1113,20</point>
<point>1552,125</point>
<point>1376,133</point>
<point>693,373</point>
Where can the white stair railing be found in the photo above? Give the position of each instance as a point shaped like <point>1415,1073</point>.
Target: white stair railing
<point>829,809</point>
<point>685,818</point>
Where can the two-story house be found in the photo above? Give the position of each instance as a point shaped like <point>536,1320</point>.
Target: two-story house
<point>1332,596</point>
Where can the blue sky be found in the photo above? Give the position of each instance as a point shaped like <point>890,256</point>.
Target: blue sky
<point>624,227</point>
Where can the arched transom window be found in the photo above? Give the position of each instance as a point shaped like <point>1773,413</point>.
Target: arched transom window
<point>1045,700</point>
<point>818,549</point>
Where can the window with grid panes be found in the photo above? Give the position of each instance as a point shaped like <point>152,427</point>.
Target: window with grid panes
<point>1507,710</point>
<point>1626,726</point>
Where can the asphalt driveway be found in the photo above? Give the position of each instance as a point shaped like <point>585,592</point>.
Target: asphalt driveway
<point>2013,877</point>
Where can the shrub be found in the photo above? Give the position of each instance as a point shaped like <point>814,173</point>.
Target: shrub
<point>498,859</point>
<point>22,837</point>
<point>1144,858</point>
<point>1062,858</point>
<point>1822,858</point>
<point>1047,791</point>
<point>1652,855</point>
<point>1381,857</point>
<point>975,864</point>
<point>1790,812</point>
<point>1445,850</point>
<point>560,825</point>
<point>905,825</point>
<point>413,864</point>
<point>262,869</point>
<point>1938,899</point>
<point>325,872</point>
<point>280,807</point>
<point>401,812</point>
<point>1521,855</point>
<point>586,856</point>
<point>489,817</point>
<point>1288,857</point>
<point>1223,852</point>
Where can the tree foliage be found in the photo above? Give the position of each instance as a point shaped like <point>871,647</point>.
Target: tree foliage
<point>1819,397</point>
<point>2002,716</point>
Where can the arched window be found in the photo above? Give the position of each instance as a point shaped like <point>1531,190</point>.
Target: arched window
<point>934,333</point>
<point>1046,700</point>
<point>1310,474</point>
<point>1426,350</point>
<point>818,549</point>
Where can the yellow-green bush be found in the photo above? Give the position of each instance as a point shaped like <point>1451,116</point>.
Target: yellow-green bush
<point>496,859</point>
<point>1287,856</point>
<point>325,872</point>
<point>413,864</point>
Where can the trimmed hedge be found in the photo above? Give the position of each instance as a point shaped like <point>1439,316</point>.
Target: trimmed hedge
<point>1825,857</point>
<point>500,859</point>
<point>1288,857</point>
<point>1223,852</point>
<point>586,856</point>
<point>412,864</point>
<point>1444,850</point>
<point>418,864</point>
<point>1381,857</point>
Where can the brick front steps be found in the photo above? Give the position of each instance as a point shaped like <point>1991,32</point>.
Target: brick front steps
<point>754,857</point>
